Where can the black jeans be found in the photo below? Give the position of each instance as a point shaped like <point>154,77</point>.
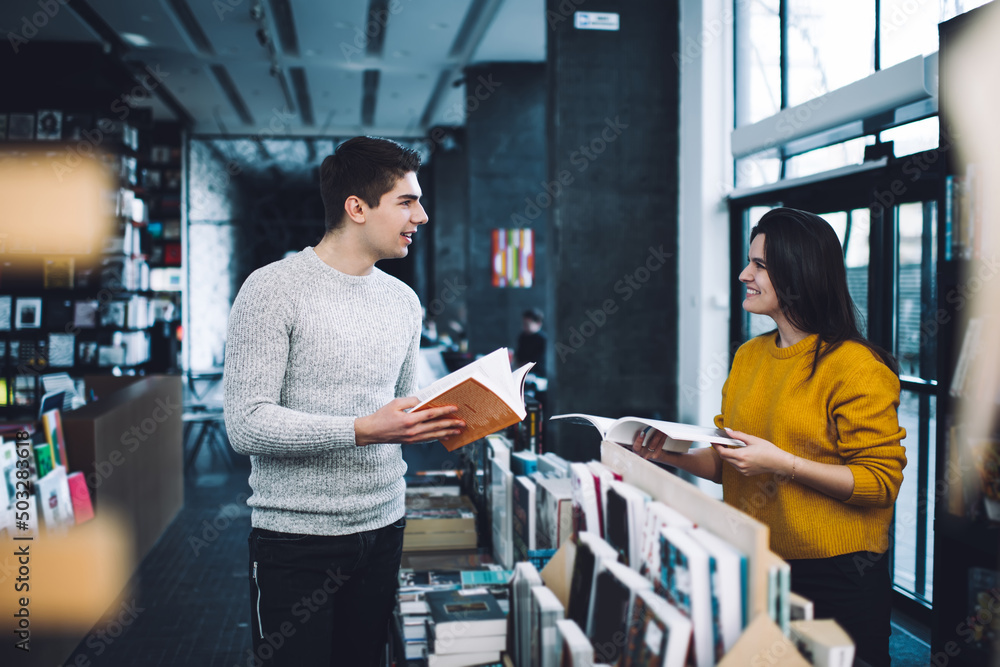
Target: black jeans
<point>855,589</point>
<point>323,600</point>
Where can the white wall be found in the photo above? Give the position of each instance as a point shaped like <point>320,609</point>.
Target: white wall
<point>706,117</point>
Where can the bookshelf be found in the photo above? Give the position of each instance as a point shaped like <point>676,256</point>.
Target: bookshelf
<point>160,171</point>
<point>75,292</point>
<point>966,521</point>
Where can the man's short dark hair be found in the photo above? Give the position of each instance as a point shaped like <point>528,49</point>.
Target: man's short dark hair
<point>365,167</point>
<point>533,314</point>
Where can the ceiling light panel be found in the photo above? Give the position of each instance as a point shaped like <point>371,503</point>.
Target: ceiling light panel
<point>334,32</point>
<point>451,108</point>
<point>230,29</point>
<point>336,96</point>
<point>517,34</point>
<point>198,92</point>
<point>64,26</point>
<point>401,101</point>
<point>425,31</point>
<point>263,97</point>
<point>160,26</point>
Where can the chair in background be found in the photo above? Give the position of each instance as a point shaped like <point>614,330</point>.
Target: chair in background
<point>204,423</point>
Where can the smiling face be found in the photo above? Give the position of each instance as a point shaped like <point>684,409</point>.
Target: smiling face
<point>389,228</point>
<point>761,297</point>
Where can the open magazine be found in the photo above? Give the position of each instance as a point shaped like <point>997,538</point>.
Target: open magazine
<point>679,436</point>
<point>489,397</point>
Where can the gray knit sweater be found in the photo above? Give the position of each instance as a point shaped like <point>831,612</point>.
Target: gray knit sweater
<point>310,349</point>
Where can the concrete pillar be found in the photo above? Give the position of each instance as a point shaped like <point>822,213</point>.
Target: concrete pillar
<point>613,147</point>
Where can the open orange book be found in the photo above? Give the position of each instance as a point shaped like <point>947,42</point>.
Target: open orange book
<point>489,397</point>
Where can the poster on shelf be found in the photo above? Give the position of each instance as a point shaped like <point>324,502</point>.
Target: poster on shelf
<point>28,313</point>
<point>49,126</point>
<point>5,310</point>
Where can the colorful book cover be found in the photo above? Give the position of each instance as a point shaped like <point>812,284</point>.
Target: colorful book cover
<point>658,634</point>
<point>647,637</point>
<point>478,578</point>
<point>52,425</point>
<point>686,581</point>
<point>43,459</point>
<point>728,576</point>
<point>523,524</point>
<point>83,507</point>
<point>614,592</point>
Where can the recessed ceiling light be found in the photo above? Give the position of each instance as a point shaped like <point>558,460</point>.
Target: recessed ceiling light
<point>136,39</point>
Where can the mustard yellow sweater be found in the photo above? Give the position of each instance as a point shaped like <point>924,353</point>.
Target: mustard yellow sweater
<point>844,415</point>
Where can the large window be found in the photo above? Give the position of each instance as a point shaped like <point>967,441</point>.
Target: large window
<point>890,255</point>
<point>790,52</point>
<point>818,58</point>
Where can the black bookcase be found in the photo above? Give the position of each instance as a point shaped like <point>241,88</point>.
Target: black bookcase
<point>160,176</point>
<point>69,302</point>
<point>78,306</point>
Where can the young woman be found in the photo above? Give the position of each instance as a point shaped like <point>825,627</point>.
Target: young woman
<point>816,405</point>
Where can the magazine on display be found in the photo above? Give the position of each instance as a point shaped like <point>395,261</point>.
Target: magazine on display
<point>679,436</point>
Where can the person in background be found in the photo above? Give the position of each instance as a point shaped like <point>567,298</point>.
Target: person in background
<point>531,342</point>
<point>320,363</point>
<point>428,331</point>
<point>816,406</point>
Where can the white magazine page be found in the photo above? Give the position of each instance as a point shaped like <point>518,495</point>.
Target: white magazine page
<point>601,423</point>
<point>624,432</point>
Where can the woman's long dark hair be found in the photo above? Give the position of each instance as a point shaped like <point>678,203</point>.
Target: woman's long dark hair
<point>805,263</point>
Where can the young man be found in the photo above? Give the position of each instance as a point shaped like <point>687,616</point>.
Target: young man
<point>320,357</point>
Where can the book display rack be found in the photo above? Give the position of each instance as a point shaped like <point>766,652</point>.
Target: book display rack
<point>586,582</point>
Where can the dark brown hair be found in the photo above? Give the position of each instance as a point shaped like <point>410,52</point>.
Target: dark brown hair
<point>365,167</point>
<point>805,263</point>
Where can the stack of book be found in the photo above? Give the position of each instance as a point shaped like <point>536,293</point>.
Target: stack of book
<point>435,521</point>
<point>465,627</point>
<point>412,612</point>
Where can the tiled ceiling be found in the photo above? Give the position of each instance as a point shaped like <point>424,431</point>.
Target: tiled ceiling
<point>303,67</point>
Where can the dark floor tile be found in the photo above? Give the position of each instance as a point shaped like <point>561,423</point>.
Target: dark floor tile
<point>190,592</point>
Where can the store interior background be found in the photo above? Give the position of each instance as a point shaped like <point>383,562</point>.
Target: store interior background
<point>515,127</point>
<point>612,147</point>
